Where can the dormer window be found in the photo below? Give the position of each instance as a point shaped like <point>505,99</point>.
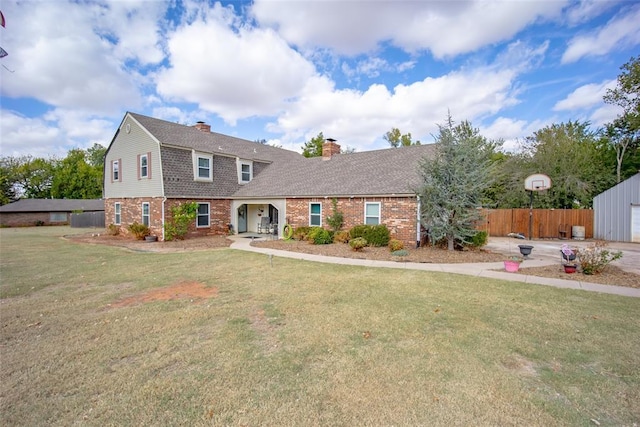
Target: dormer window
<point>245,171</point>
<point>202,167</point>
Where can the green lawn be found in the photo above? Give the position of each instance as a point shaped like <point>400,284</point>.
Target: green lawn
<point>299,343</point>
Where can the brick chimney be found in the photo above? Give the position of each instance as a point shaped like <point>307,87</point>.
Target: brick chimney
<point>203,127</point>
<point>330,148</point>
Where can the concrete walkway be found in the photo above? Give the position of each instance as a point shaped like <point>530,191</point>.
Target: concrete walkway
<point>544,256</point>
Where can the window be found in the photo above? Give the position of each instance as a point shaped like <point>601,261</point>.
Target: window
<point>315,214</point>
<point>117,217</point>
<point>115,170</point>
<point>58,217</point>
<point>202,219</point>
<point>202,167</point>
<point>145,213</point>
<point>143,165</point>
<point>372,213</point>
<point>245,172</point>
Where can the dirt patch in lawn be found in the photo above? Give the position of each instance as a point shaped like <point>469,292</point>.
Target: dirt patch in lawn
<point>195,291</point>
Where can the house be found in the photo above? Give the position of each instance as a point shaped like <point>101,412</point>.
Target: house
<point>152,165</point>
<point>27,212</point>
<point>617,212</point>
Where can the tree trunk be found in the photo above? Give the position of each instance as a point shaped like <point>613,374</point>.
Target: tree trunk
<point>450,241</point>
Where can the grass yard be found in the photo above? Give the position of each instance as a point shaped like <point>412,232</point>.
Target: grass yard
<point>97,335</point>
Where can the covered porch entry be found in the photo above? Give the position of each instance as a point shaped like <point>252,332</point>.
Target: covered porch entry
<point>265,216</point>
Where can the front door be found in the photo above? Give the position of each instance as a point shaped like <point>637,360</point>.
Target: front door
<point>242,219</point>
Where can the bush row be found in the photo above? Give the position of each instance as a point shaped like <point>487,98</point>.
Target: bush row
<point>374,235</point>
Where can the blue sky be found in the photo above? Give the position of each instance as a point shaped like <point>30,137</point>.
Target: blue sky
<point>286,70</point>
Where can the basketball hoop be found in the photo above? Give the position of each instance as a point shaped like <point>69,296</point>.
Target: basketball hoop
<point>535,182</point>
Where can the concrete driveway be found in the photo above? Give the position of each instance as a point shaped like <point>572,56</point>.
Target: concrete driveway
<point>550,250</point>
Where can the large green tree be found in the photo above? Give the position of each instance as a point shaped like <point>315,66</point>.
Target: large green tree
<point>7,181</point>
<point>453,183</point>
<point>313,147</point>
<point>624,132</point>
<point>32,177</point>
<point>570,154</point>
<point>76,179</point>
<point>396,139</point>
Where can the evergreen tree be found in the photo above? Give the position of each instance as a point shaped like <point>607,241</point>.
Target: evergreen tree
<point>453,183</point>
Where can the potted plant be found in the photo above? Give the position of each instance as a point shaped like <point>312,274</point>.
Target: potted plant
<point>512,264</point>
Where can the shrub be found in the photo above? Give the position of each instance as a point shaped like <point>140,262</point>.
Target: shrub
<point>301,233</point>
<point>376,235</point>
<point>479,239</point>
<point>319,236</point>
<point>336,219</point>
<point>114,230</point>
<point>341,237</point>
<point>395,245</point>
<point>595,258</point>
<point>358,231</point>
<point>182,216</point>
<point>400,252</point>
<point>358,243</point>
<point>139,230</point>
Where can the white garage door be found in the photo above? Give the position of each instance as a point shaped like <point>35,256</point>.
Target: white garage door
<point>635,223</point>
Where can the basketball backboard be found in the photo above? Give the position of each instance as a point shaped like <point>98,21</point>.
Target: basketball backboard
<point>537,182</point>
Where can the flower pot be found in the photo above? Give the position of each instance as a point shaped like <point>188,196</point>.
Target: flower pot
<point>525,250</point>
<point>511,266</point>
<point>570,269</point>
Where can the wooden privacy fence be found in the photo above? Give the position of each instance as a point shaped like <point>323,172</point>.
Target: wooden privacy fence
<point>87,219</point>
<point>547,223</point>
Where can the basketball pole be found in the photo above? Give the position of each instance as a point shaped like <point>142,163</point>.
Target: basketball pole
<point>530,213</point>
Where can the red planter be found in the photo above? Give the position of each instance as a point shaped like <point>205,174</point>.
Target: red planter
<point>570,269</point>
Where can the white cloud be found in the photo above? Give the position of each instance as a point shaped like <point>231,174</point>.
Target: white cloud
<point>52,134</point>
<point>586,10</point>
<point>444,28</point>
<point>60,58</point>
<point>585,96</point>
<point>359,119</point>
<point>511,131</point>
<point>620,32</point>
<point>233,72</point>
<point>21,135</point>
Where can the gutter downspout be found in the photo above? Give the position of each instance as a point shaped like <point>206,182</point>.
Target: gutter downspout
<point>418,224</point>
<point>164,199</point>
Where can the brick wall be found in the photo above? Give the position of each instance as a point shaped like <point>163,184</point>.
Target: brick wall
<point>397,213</point>
<point>131,211</point>
<point>26,219</point>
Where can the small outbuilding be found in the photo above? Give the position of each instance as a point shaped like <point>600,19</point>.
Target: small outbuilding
<point>30,212</point>
<point>617,212</point>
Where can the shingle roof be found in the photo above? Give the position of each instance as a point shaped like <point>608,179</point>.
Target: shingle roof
<point>174,134</point>
<point>392,171</point>
<point>53,205</point>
